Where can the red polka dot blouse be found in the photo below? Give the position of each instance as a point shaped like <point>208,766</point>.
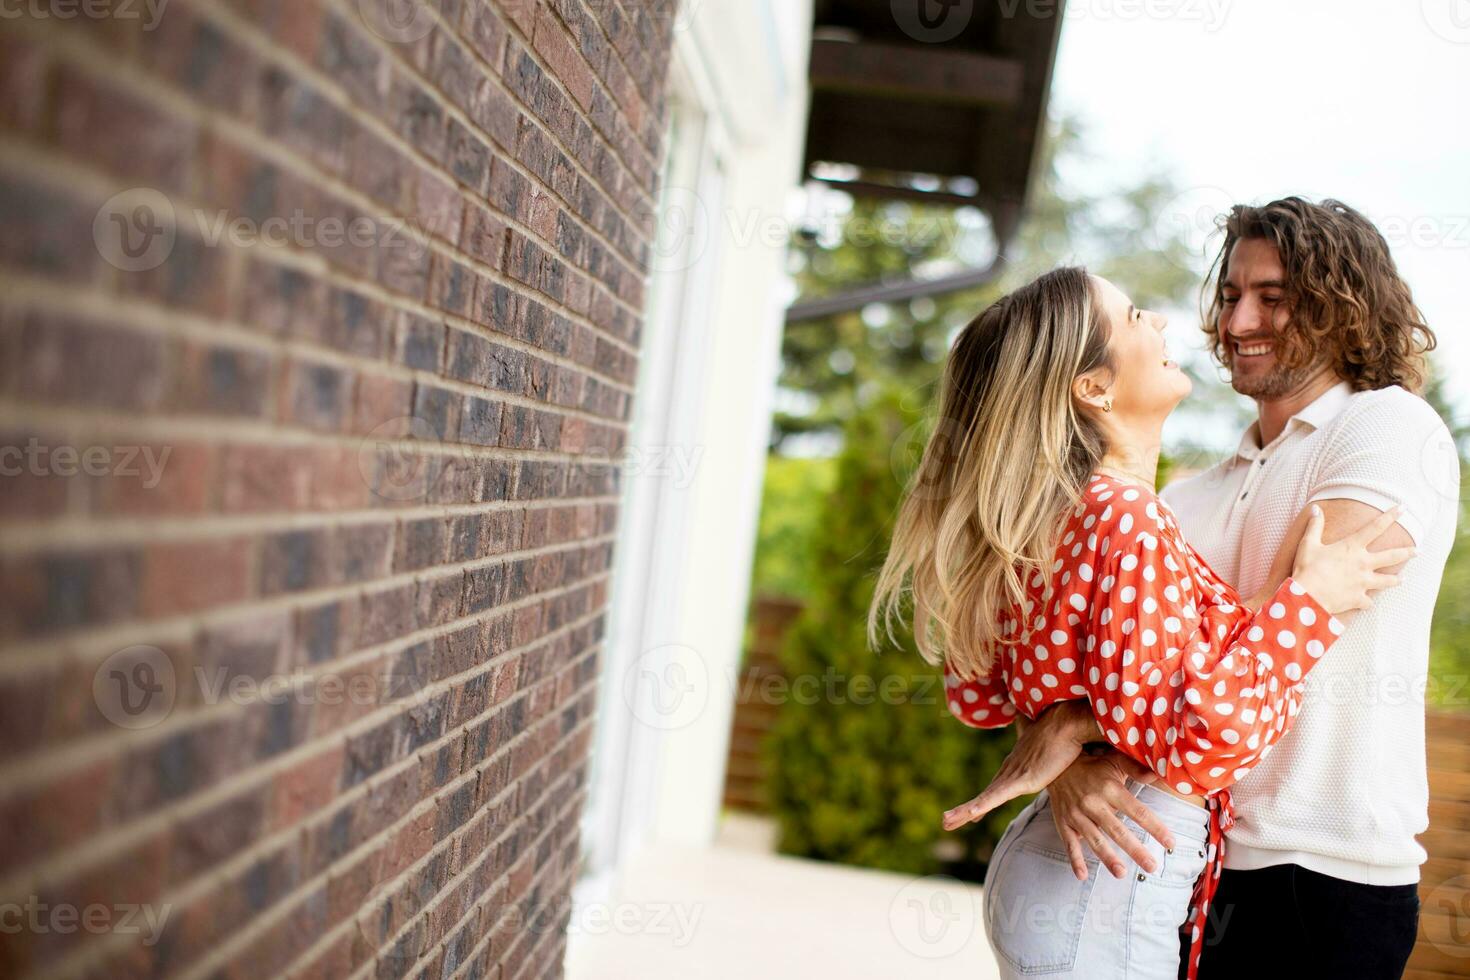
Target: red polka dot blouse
<point>1181,675</point>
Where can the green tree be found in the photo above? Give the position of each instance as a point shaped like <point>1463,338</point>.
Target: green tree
<point>861,771</point>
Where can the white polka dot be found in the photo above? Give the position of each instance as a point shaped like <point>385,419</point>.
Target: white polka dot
<point>1128,594</point>
<point>1293,672</point>
<point>1084,572</point>
<point>1277,610</point>
<point>1149,638</point>
<point>1224,708</point>
<point>1066,665</point>
<point>1286,638</point>
<point>1058,637</point>
<point>1049,680</point>
<point>1255,635</point>
<point>1129,563</point>
<point>1306,615</point>
<point>1315,648</point>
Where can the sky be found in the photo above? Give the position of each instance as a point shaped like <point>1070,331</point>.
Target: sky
<point>1249,100</point>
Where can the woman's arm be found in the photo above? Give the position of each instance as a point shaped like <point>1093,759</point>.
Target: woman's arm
<point>980,703</point>
<point>1196,690</point>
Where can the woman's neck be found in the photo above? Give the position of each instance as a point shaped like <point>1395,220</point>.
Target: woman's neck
<point>1138,460</point>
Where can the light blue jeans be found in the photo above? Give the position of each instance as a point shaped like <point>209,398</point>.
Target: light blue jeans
<point>1042,921</point>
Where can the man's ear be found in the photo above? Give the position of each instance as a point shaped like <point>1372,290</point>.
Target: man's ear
<point>1092,388</point>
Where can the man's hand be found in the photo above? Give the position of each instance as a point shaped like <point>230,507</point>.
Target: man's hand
<point>1085,800</point>
<point>1043,750</point>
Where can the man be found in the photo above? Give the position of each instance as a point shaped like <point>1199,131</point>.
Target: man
<point>1310,317</point>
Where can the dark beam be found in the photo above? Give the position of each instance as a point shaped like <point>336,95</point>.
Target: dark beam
<point>925,73</point>
<point>870,188</point>
<point>897,292</point>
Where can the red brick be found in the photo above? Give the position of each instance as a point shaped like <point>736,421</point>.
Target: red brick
<point>190,576</point>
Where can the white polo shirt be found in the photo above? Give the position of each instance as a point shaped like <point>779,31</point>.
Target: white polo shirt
<point>1346,788</point>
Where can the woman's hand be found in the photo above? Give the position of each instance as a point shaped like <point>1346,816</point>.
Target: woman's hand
<point>1042,751</point>
<point>1085,801</point>
<point>1343,575</point>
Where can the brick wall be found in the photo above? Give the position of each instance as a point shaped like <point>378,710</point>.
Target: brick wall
<point>319,324</point>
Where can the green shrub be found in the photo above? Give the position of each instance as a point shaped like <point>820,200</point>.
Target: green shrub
<point>861,771</point>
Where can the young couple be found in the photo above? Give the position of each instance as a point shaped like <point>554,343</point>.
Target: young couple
<point>1153,651</point>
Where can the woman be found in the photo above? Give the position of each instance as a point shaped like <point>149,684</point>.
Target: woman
<point>1042,569</point>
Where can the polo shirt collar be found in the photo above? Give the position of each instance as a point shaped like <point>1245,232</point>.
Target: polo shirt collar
<point>1324,409</point>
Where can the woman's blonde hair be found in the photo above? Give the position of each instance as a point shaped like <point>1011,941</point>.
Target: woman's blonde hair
<point>1009,454</point>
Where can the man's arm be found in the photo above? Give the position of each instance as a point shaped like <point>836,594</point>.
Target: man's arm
<point>1043,749</point>
<point>1341,517</point>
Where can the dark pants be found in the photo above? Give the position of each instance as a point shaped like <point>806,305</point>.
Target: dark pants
<point>1287,921</point>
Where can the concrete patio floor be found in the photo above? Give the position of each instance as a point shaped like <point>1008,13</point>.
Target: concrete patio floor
<point>737,911</point>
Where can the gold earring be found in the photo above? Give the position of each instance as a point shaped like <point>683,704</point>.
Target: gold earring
<point>1108,405</point>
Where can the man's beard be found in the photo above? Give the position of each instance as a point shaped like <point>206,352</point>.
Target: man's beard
<point>1274,384</point>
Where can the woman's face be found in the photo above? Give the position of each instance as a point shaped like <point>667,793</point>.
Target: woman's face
<point>1146,382</point>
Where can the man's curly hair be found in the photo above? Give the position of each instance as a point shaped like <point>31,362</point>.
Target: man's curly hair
<point>1345,298</point>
